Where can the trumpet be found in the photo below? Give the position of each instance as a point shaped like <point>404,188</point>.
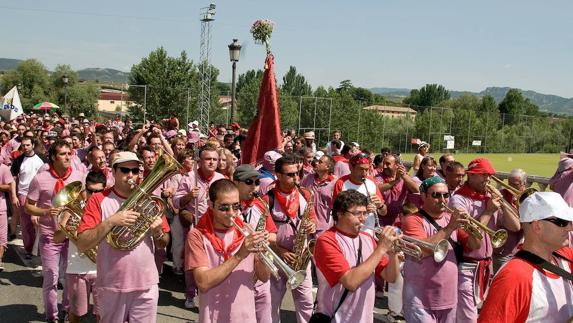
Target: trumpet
<point>272,260</point>
<point>413,247</point>
<point>520,196</point>
<point>474,228</point>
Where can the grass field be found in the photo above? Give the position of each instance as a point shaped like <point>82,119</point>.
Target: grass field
<point>533,164</point>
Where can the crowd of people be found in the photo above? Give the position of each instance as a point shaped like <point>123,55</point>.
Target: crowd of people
<point>333,224</point>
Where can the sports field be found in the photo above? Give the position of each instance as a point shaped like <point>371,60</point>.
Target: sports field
<point>533,164</point>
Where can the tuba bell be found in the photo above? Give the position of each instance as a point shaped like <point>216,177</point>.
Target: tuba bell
<point>148,206</point>
<point>70,198</point>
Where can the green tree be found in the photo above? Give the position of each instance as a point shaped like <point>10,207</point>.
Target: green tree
<point>514,104</point>
<point>428,96</point>
<point>248,87</point>
<point>295,84</point>
<point>32,80</point>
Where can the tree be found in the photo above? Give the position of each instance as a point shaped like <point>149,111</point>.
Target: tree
<point>345,86</point>
<point>428,96</point>
<point>294,84</point>
<point>248,86</point>
<point>514,104</point>
<point>170,82</point>
<point>32,80</point>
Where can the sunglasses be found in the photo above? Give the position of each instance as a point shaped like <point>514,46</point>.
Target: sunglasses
<point>250,181</point>
<point>227,207</point>
<point>558,222</point>
<point>437,195</point>
<point>295,174</point>
<point>127,170</point>
<point>93,191</point>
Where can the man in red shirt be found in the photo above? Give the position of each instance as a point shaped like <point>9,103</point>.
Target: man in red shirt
<point>523,290</point>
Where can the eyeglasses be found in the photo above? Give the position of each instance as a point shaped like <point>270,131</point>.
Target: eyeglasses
<point>558,222</point>
<point>437,195</point>
<point>250,181</point>
<point>358,213</point>
<point>127,170</point>
<point>93,191</point>
<point>295,174</point>
<point>227,207</point>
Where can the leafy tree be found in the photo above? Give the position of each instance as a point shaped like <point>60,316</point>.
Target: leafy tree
<point>32,80</point>
<point>295,84</point>
<point>248,86</point>
<point>82,98</point>
<point>345,86</point>
<point>514,104</point>
<point>428,96</point>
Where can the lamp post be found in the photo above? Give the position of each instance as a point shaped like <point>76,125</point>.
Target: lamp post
<point>234,53</point>
<point>65,80</point>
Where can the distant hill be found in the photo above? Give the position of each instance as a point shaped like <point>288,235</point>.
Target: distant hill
<point>103,75</point>
<point>7,64</point>
<point>546,102</point>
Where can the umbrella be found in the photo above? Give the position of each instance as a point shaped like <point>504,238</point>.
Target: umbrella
<point>45,106</point>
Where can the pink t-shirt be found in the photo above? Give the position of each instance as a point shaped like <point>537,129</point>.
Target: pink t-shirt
<point>335,254</point>
<point>119,270</point>
<point>393,197</point>
<point>323,191</point>
<point>187,183</point>
<point>5,178</point>
<point>41,190</point>
<point>233,300</point>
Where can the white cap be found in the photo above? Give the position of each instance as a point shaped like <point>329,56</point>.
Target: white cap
<point>124,157</point>
<point>318,154</point>
<point>543,205</point>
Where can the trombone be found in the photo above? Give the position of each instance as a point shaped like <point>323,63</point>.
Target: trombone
<point>520,196</point>
<point>413,247</point>
<point>272,260</point>
<point>474,228</point>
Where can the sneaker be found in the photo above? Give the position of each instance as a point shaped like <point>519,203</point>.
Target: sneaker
<point>190,303</point>
<point>178,271</point>
<point>394,317</point>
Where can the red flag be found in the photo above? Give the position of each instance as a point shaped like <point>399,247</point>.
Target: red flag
<point>265,131</point>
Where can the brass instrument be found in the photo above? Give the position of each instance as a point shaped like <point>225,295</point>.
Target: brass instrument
<point>272,260</point>
<point>149,207</point>
<point>369,198</point>
<point>413,247</point>
<point>70,198</point>
<point>474,228</point>
<point>519,196</point>
<point>303,248</point>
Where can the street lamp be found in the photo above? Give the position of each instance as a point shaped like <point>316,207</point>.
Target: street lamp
<point>65,80</point>
<point>234,53</point>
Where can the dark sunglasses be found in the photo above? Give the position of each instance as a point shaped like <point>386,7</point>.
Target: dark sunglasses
<point>558,222</point>
<point>437,195</point>
<point>295,174</point>
<point>93,191</point>
<point>126,170</point>
<point>250,181</point>
<point>227,207</point>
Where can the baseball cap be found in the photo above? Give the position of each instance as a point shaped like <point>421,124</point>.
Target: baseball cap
<point>123,157</point>
<point>543,205</point>
<point>480,166</point>
<point>270,158</point>
<point>246,171</point>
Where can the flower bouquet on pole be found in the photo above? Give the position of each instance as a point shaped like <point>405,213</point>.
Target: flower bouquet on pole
<point>265,131</point>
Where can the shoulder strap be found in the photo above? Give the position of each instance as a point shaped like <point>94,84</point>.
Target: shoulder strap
<point>358,261</point>
<point>436,225</point>
<point>536,260</point>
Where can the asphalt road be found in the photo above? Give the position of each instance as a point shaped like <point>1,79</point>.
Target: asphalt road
<point>21,294</point>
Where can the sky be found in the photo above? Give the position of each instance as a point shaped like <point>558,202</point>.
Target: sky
<point>463,45</point>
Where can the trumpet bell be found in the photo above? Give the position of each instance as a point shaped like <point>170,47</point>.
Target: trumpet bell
<point>296,278</point>
<point>498,238</point>
<point>441,250</point>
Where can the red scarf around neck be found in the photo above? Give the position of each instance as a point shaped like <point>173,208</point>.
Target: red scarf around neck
<point>205,226</point>
<point>289,207</point>
<point>467,191</point>
<point>203,177</point>
<point>60,180</point>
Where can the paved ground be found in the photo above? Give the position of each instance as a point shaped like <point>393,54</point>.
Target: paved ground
<point>21,294</point>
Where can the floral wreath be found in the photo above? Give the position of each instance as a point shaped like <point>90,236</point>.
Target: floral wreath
<point>262,30</point>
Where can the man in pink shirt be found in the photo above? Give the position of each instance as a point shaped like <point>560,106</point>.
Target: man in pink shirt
<point>191,199</point>
<point>347,260</point>
<point>127,280</point>
<point>47,182</point>
<point>562,181</point>
<point>321,182</point>
<point>7,185</point>
<point>430,294</point>
<point>224,262</point>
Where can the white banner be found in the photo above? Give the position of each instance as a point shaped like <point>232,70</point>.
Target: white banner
<point>450,144</point>
<point>476,143</point>
<point>11,105</point>
<point>448,138</point>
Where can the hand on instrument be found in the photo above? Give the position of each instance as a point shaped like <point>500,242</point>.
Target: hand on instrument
<point>53,211</point>
<point>195,192</point>
<point>457,220</point>
<point>493,204</point>
<point>287,256</point>
<point>374,199</point>
<point>387,237</point>
<point>124,218</point>
<point>157,227</point>
<point>253,243</point>
<point>310,227</point>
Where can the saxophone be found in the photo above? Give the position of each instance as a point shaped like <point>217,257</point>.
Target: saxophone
<point>148,206</point>
<point>303,248</point>
<point>70,198</point>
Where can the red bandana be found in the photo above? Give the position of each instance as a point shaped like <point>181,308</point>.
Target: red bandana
<point>289,207</point>
<point>466,191</point>
<point>60,180</point>
<point>203,177</point>
<point>327,179</point>
<point>205,226</point>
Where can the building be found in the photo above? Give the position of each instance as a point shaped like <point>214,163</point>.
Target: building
<point>393,112</point>
<point>113,101</point>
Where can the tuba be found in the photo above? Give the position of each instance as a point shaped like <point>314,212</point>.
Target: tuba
<point>148,206</point>
<point>70,198</point>
<point>303,248</point>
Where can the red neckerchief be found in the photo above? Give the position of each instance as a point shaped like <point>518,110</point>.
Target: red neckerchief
<point>205,226</point>
<point>327,179</point>
<point>340,158</point>
<point>203,177</point>
<point>60,180</point>
<point>466,191</point>
<point>248,203</point>
<point>289,207</point>
<point>387,180</point>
